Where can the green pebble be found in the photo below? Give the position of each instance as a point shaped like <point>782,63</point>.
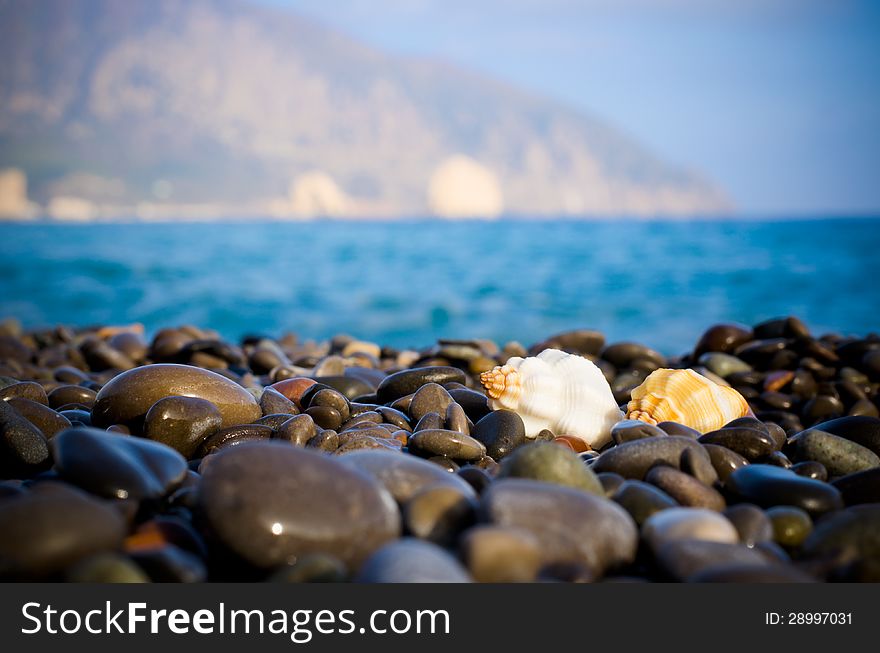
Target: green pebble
<point>551,463</point>
<point>791,525</point>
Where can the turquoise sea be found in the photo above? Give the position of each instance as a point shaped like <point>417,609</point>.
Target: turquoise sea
<point>409,283</point>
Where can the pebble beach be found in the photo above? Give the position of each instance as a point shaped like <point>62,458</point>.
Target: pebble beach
<point>181,456</point>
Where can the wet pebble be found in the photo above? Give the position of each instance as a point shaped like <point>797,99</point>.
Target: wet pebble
<point>53,527</point>
<point>402,475</point>
<point>72,394</point>
<point>631,429</point>
<point>724,338</point>
<point>270,503</point>
<point>106,568</point>
<point>429,421</point>
<point>24,450</point>
<point>325,417</point>
<point>571,526</point>
<point>681,559</point>
<point>676,524</point>
<point>475,404</point>
<point>116,466</point>
<point>324,441</point>
<point>79,417</point>
<point>334,399</point>
<point>548,462</point>
<point>859,429</point>
<point>439,514</point>
<point>634,459</point>
<point>499,554</point>
<point>611,482</point>
<point>312,568</point>
<point>48,421</point>
<point>409,560</point>
<point>476,477</point>
<point>25,390</point>
<point>791,525</point>
<point>128,396</point>
<point>623,354</point>
<point>501,431</point>
<point>641,500</point>
<point>860,487</point>
<point>723,364</point>
<point>724,461</point>
<point>442,442</point>
<point>349,386</point>
<point>407,382</point>
<point>580,341</point>
<point>397,418</point>
<point>456,419</point>
<point>430,398</point>
<point>749,573</point>
<point>674,428</point>
<point>685,489</point>
<point>747,442</point>
<point>273,402</point>
<point>838,455</point>
<point>293,388</point>
<point>233,436</point>
<point>768,486</point>
<point>854,531</point>
<point>182,423</point>
<point>297,430</point>
<point>752,523</point>
<point>811,469</point>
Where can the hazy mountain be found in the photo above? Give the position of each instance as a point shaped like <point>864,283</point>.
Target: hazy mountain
<point>225,104</point>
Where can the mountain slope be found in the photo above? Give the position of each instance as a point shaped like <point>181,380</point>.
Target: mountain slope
<point>226,103</point>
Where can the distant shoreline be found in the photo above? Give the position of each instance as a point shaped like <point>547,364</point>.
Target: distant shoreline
<point>239,220</point>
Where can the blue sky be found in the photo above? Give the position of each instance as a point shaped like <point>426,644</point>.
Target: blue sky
<point>778,101</point>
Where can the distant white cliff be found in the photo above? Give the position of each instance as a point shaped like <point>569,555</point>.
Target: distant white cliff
<point>14,202</point>
<point>462,188</point>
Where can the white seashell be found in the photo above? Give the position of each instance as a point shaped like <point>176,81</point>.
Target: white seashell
<point>565,393</point>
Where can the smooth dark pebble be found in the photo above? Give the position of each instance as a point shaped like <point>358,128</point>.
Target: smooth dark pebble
<point>407,382</point>
<point>501,431</point>
<point>768,486</point>
<point>233,436</point>
<point>685,489</point>
<point>860,487</point>
<point>551,463</point>
<point>183,423</point>
<point>252,497</point>
<point>724,461</point>
<point>48,421</point>
<point>409,560</point>
<point>115,466</point>
<point>750,522</point>
<point>297,429</point>
<point>641,500</point>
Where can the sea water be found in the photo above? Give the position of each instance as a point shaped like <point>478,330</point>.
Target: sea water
<point>409,283</point>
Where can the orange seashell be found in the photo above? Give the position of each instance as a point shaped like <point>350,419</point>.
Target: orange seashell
<point>685,397</point>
